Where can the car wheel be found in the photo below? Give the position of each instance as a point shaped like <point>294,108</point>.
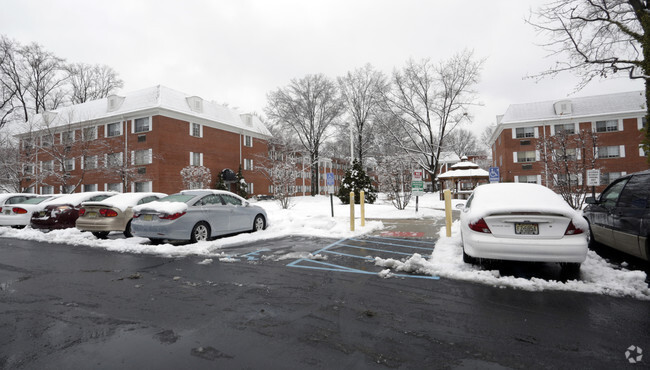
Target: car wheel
<point>155,241</point>
<point>259,223</point>
<point>570,269</point>
<point>469,259</point>
<point>127,231</point>
<point>101,234</point>
<point>591,242</point>
<point>200,232</point>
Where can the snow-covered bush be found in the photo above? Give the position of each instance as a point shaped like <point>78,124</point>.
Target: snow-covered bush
<point>356,180</point>
<point>196,177</point>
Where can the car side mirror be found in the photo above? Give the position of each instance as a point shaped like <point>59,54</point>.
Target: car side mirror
<point>247,204</point>
<point>591,200</point>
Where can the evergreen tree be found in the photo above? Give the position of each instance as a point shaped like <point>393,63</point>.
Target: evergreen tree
<point>242,187</point>
<point>220,185</point>
<point>356,180</point>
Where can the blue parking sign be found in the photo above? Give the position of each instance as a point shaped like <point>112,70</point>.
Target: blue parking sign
<point>494,174</point>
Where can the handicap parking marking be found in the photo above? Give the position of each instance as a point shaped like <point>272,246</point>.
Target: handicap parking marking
<point>389,246</point>
<point>254,256</point>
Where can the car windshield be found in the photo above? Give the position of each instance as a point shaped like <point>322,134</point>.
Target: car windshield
<point>35,200</point>
<point>177,198</point>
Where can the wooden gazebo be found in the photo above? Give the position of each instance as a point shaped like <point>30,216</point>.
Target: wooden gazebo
<point>462,179</point>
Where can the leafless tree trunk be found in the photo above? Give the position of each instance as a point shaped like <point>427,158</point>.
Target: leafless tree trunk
<point>361,91</point>
<point>428,101</point>
<point>308,106</point>
<point>45,77</point>
<point>600,38</point>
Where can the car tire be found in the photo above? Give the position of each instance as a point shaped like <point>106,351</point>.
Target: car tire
<point>259,223</point>
<point>591,242</point>
<point>155,241</point>
<point>570,269</point>
<point>127,230</point>
<point>100,234</point>
<point>200,232</point>
<point>469,259</point>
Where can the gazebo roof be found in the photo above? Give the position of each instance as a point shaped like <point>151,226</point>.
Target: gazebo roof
<point>468,172</point>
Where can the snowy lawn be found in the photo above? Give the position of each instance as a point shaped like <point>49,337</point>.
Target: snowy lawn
<point>311,216</point>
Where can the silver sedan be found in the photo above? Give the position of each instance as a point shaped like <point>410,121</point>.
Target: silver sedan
<point>197,215</point>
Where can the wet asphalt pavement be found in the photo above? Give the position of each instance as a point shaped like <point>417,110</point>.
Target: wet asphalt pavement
<point>74,307</point>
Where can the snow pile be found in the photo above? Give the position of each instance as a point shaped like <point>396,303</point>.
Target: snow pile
<point>596,275</point>
<point>124,200</point>
<point>169,208</point>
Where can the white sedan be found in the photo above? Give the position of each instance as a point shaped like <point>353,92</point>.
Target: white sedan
<point>19,215</point>
<point>522,222</point>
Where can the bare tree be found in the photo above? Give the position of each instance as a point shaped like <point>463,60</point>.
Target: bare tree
<point>196,177</point>
<point>45,77</point>
<point>91,82</point>
<point>308,106</point>
<point>7,92</point>
<point>280,166</point>
<point>10,168</point>
<point>428,101</point>
<point>567,157</point>
<point>362,91</point>
<point>395,174</point>
<point>600,38</point>
<point>463,142</point>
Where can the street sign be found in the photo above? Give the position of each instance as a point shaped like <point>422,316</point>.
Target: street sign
<point>417,184</point>
<point>494,174</point>
<point>593,177</point>
<point>330,182</point>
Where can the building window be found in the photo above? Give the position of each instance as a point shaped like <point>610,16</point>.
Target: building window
<point>248,164</point>
<point>607,178</point>
<point>48,189</point>
<point>28,144</point>
<point>47,166</point>
<point>114,129</point>
<point>142,170</point>
<point>67,189</point>
<point>524,142</point>
<point>527,156</point>
<point>567,128</point>
<point>90,133</point>
<point>607,126</point>
<point>68,164</point>
<point>47,140</point>
<point>523,132</point>
<point>564,179</point>
<point>141,187</point>
<point>609,151</point>
<point>196,159</point>
<point>142,157</point>
<point>526,166</point>
<point>114,187</point>
<point>114,160</point>
<point>28,169</point>
<point>90,162</point>
<point>142,138</point>
<point>67,137</point>
<point>196,130</point>
<point>90,187</point>
<point>566,155</point>
<point>142,124</point>
<point>248,141</point>
<point>530,179</point>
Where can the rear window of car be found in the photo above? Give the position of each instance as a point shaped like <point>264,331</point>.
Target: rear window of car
<point>636,192</point>
<point>17,199</point>
<point>35,200</point>
<point>177,198</point>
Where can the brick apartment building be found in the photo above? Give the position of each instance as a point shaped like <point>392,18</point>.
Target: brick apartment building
<point>616,120</point>
<point>140,142</point>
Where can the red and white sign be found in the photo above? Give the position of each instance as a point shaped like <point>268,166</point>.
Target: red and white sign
<point>403,234</point>
<point>417,175</point>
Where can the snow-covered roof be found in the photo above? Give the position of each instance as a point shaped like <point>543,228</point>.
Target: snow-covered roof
<point>464,164</point>
<point>138,103</point>
<point>470,172</point>
<point>588,106</point>
<point>448,157</point>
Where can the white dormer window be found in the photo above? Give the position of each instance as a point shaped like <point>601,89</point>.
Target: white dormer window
<point>562,107</point>
<point>114,102</point>
<point>247,119</point>
<point>195,103</point>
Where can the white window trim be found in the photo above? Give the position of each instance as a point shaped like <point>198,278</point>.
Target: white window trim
<point>621,151</point>
<point>641,151</point>
<point>73,137</point>
<point>140,132</point>
<point>121,123</point>
<point>200,129</point>
<point>639,123</point>
<point>192,159</point>
<point>83,135</point>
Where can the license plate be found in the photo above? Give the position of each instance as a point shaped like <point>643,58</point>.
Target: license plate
<point>147,217</point>
<point>91,214</point>
<point>7,212</point>
<point>527,229</point>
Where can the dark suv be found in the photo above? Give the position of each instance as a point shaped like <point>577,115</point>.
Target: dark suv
<point>620,218</point>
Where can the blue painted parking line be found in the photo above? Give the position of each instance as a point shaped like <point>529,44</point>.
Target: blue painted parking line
<point>253,256</point>
<point>403,240</point>
<point>330,249</point>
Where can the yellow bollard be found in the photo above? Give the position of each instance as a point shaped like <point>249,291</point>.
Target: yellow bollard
<point>447,194</point>
<point>351,211</point>
<point>362,198</point>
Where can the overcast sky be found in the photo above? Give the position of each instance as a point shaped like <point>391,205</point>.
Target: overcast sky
<point>235,52</point>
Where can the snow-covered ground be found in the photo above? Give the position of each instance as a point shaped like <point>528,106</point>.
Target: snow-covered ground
<point>311,216</point>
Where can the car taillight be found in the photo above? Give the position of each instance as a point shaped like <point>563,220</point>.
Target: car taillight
<point>62,209</point>
<point>171,217</point>
<point>107,212</point>
<point>480,226</point>
<point>572,229</point>
<point>18,211</point>
<point>136,215</point>
<point>82,211</point>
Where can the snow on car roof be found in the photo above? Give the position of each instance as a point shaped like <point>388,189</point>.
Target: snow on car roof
<point>124,200</point>
<point>77,198</point>
<point>162,207</point>
<point>210,191</point>
<point>520,197</point>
